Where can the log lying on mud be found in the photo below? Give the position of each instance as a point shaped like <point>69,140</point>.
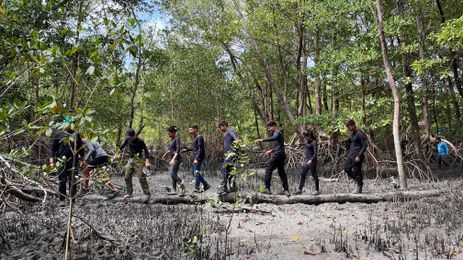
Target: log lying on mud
<point>255,198</point>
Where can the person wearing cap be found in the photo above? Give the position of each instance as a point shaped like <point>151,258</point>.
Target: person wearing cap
<point>442,152</point>
<point>175,159</point>
<point>310,162</point>
<point>96,158</point>
<point>357,145</point>
<point>228,179</point>
<point>66,146</point>
<point>199,154</point>
<point>278,158</point>
<point>138,158</point>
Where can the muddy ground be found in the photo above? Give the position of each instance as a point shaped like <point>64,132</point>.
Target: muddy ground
<point>429,228</point>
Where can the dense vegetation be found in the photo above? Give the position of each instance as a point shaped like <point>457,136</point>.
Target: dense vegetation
<point>302,63</point>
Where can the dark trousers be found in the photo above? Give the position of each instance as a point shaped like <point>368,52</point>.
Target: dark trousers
<point>173,171</point>
<point>67,172</point>
<point>196,171</point>
<point>305,170</point>
<point>441,159</point>
<point>277,162</point>
<point>228,179</point>
<point>354,169</point>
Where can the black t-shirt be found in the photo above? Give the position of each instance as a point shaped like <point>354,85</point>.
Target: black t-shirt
<point>278,143</point>
<point>358,143</point>
<point>66,144</point>
<point>137,147</point>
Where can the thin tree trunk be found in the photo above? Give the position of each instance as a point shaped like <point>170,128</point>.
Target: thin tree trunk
<point>424,78</point>
<point>75,58</point>
<point>410,95</point>
<point>364,94</point>
<point>395,93</point>
<point>318,95</point>
<point>134,92</point>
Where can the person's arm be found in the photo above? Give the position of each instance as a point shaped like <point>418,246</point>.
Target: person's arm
<point>232,134</point>
<point>54,147</point>
<point>274,137</point>
<point>178,148</point>
<point>146,152</point>
<point>200,148</point>
<point>363,140</point>
<point>123,145</point>
<point>315,150</point>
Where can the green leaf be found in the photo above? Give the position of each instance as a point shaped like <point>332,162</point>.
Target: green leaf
<point>72,51</point>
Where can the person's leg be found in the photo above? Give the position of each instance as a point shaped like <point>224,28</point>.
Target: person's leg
<point>86,177</point>
<point>142,178</point>
<point>174,174</point>
<point>444,161</point>
<point>348,165</point>
<point>129,170</point>
<point>313,169</point>
<point>282,173</point>
<point>358,171</point>
<point>73,180</point>
<point>63,178</point>
<point>271,166</point>
<point>439,161</point>
<point>224,175</point>
<point>200,177</point>
<point>231,177</point>
<point>195,173</point>
<point>305,170</point>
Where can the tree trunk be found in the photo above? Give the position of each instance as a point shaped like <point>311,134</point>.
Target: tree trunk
<point>395,93</point>
<point>134,91</point>
<point>318,92</point>
<point>253,198</point>
<point>410,95</point>
<point>75,59</point>
<point>424,78</point>
<point>364,95</point>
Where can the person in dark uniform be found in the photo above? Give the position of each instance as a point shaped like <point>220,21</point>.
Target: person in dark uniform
<point>199,154</point>
<point>96,158</point>
<point>175,146</point>
<point>357,145</point>
<point>138,158</point>
<point>278,158</point>
<point>310,162</point>
<point>228,180</point>
<point>66,146</point>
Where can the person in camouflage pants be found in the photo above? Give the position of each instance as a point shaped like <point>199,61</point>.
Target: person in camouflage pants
<point>135,164</point>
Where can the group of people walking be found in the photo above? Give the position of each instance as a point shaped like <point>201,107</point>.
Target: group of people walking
<point>69,148</point>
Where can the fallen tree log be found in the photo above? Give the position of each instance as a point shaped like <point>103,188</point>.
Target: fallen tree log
<point>254,198</point>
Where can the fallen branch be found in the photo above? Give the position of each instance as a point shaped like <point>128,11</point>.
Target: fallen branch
<point>255,198</point>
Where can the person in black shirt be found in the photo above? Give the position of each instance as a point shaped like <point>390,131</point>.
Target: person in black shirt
<point>199,154</point>
<point>310,162</point>
<point>135,164</point>
<point>278,158</point>
<point>357,145</point>
<point>66,146</point>
<point>175,158</point>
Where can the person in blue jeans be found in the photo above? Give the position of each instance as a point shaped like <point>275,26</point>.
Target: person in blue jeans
<point>442,152</point>
<point>199,154</point>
